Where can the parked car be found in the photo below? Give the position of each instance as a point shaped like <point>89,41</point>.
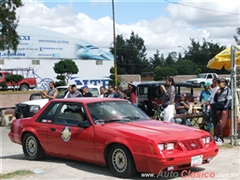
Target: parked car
<point>201,79</point>
<point>149,95</point>
<point>36,102</point>
<point>24,84</point>
<point>111,132</point>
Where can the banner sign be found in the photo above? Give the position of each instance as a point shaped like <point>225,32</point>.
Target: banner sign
<point>37,43</point>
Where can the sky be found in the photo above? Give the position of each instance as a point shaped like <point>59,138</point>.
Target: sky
<point>164,25</point>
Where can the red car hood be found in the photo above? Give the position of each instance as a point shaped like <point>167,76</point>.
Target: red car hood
<point>159,130</point>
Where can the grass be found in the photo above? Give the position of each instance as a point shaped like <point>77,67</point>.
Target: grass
<point>15,174</point>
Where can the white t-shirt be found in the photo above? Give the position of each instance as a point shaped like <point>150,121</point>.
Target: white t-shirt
<point>211,98</point>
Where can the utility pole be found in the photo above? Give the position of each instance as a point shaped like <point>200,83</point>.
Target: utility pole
<point>115,49</point>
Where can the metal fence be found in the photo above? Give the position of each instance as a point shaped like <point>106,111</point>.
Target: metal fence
<point>235,106</point>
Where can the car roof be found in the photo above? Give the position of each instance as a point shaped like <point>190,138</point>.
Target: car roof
<point>88,99</point>
<point>149,83</point>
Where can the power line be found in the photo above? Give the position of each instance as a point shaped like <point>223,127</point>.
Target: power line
<point>205,9</point>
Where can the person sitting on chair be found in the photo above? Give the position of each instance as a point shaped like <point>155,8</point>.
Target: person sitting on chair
<point>182,106</point>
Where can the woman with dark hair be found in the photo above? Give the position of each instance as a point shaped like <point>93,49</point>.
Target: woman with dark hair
<point>168,99</point>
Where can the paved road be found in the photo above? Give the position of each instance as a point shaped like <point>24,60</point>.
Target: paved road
<point>12,159</point>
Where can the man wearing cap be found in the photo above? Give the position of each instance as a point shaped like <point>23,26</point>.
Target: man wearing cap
<point>182,106</point>
<point>74,92</point>
<point>222,100</point>
<point>205,94</point>
<point>86,93</point>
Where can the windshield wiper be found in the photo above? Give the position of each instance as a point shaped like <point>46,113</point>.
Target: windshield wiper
<point>132,117</point>
<point>119,119</point>
<point>101,121</point>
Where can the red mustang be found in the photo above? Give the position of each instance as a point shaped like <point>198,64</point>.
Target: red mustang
<point>111,132</point>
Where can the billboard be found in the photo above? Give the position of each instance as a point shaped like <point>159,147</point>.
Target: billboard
<point>39,43</point>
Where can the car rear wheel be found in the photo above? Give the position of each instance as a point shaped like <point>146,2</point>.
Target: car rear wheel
<point>120,161</point>
<point>32,148</point>
<point>24,87</point>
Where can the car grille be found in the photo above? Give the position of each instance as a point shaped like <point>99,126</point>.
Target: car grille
<point>193,144</point>
<point>22,108</point>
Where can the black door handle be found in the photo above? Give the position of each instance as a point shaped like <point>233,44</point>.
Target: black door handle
<point>52,129</point>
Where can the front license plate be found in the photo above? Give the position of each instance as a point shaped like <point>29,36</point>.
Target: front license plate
<point>196,160</point>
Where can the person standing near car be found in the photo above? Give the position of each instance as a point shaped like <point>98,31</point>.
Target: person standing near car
<point>132,88</point>
<point>205,93</point>
<point>52,93</point>
<point>102,92</point>
<point>85,92</point>
<point>111,92</point>
<point>222,100</point>
<point>211,101</point>
<point>74,93</point>
<point>168,99</point>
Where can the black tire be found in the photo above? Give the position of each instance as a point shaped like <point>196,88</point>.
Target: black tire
<point>124,169</point>
<point>32,148</point>
<point>24,87</point>
<point>202,85</point>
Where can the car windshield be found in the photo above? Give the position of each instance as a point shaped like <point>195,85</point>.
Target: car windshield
<point>110,111</point>
<point>201,76</point>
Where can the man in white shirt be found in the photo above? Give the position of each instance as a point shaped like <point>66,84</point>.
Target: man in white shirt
<point>211,101</point>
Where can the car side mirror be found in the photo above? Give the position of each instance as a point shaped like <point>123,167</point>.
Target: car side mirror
<point>84,124</point>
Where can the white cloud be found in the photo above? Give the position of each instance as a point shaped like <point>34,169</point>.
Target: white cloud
<point>163,33</point>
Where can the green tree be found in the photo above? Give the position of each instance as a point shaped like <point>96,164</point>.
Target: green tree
<point>198,71</point>
<point>9,38</point>
<point>202,53</point>
<point>161,72</point>
<point>185,67</point>
<point>156,60</point>
<point>112,77</point>
<point>171,59</point>
<point>14,79</point>
<point>237,37</point>
<point>3,86</point>
<point>65,68</point>
<point>130,55</point>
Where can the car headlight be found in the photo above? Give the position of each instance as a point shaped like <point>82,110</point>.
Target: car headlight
<point>34,108</point>
<point>167,146</point>
<point>206,140</point>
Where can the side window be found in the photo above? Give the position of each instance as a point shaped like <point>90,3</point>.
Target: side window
<point>1,76</point>
<point>70,114</point>
<point>142,91</point>
<point>49,117</point>
<point>157,92</point>
<point>209,76</point>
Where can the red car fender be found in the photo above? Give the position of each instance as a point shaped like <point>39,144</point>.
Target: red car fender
<point>117,140</point>
<point>29,130</point>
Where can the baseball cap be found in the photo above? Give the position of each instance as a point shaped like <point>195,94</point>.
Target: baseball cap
<point>207,84</point>
<point>222,80</point>
<point>85,87</point>
<point>183,95</point>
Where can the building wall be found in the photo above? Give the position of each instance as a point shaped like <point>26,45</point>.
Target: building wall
<point>89,72</point>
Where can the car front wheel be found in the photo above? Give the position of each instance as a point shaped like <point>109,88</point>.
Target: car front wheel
<point>32,148</point>
<point>120,161</point>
